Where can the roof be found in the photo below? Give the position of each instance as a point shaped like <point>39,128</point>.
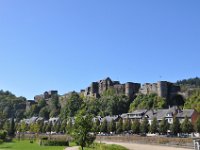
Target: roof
<point>185,112</point>
<point>30,120</point>
<point>96,118</point>
<point>54,119</point>
<point>109,118</point>
<point>124,116</point>
<point>139,111</point>
<point>159,114</point>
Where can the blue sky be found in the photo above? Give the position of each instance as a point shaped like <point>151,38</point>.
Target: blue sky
<point>67,44</point>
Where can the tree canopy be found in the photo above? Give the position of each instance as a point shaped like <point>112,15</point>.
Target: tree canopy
<point>151,101</point>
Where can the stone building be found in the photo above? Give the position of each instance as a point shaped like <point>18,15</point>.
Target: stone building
<point>46,95</point>
<point>161,88</point>
<point>97,88</point>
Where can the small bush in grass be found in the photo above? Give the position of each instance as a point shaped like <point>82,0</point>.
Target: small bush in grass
<point>54,143</point>
<point>3,134</point>
<point>44,138</point>
<point>1,141</point>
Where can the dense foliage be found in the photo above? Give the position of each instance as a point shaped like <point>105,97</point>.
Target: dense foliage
<point>11,106</point>
<point>193,101</point>
<point>191,81</point>
<point>151,101</point>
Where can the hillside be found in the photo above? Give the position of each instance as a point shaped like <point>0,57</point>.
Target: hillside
<point>11,106</point>
<point>189,84</point>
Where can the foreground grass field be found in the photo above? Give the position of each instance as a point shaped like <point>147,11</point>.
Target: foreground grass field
<point>26,145</point>
<point>97,146</point>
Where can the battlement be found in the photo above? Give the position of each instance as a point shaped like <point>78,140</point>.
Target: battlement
<point>163,89</point>
<point>97,88</point>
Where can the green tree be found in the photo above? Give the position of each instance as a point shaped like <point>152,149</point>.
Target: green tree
<point>93,105</point>
<point>145,126</point>
<point>186,126</point>
<point>82,129</point>
<point>41,103</point>
<point>119,126</point>
<point>49,127</point>
<point>135,127</point>
<point>58,127</point>
<point>3,134</point>
<point>197,125</point>
<point>69,126</point>
<point>114,104</point>
<point>34,127</point>
<point>193,101</point>
<point>154,126</point>
<point>104,126</point>
<point>12,127</point>
<point>112,126</point>
<point>96,126</point>
<point>2,120</point>
<point>73,105</point>
<point>151,101</point>
<point>9,126</point>
<point>63,126</point>
<point>127,125</point>
<point>23,126</point>
<point>175,127</point>
<point>44,113</point>
<point>164,126</point>
<point>34,111</point>
<point>54,106</point>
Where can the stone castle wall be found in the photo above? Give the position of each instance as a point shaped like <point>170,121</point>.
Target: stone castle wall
<point>161,88</point>
<point>97,88</point>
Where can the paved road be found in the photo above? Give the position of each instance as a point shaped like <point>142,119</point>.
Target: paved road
<point>72,148</point>
<point>134,146</point>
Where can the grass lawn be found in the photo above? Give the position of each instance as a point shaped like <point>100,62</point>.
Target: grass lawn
<point>97,146</point>
<point>26,145</point>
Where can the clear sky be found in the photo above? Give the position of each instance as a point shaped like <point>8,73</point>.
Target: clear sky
<point>67,44</point>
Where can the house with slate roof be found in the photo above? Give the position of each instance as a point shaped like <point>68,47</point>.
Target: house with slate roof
<point>168,114</point>
<point>110,118</point>
<point>190,113</point>
<point>137,114</point>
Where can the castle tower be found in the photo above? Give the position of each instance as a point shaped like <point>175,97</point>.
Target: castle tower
<point>162,89</point>
<point>94,88</point>
<point>131,88</point>
<point>104,85</point>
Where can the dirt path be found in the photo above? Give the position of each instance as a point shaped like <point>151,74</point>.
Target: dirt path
<point>72,148</point>
<point>134,146</point>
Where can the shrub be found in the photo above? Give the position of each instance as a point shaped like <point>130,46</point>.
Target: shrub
<point>54,143</point>
<point>3,134</point>
<point>1,141</point>
<point>44,138</point>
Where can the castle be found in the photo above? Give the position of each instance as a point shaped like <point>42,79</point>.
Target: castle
<point>162,88</point>
<point>97,88</point>
<point>46,95</point>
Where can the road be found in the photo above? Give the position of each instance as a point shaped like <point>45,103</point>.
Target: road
<point>134,146</point>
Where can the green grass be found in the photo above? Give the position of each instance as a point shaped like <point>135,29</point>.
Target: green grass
<point>72,143</point>
<point>97,146</point>
<point>26,145</point>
